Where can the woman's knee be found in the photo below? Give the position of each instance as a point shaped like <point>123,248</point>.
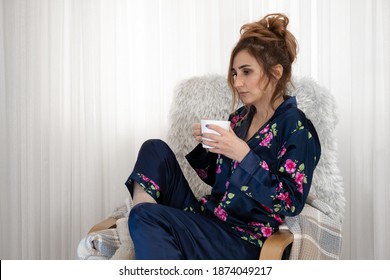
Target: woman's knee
<point>141,214</point>
<point>154,144</point>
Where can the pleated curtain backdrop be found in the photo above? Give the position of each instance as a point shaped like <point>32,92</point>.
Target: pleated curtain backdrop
<point>84,82</point>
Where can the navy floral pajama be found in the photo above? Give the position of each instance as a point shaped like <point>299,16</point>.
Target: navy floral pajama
<point>248,200</point>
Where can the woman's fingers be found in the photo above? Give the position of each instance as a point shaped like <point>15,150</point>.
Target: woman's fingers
<point>196,132</point>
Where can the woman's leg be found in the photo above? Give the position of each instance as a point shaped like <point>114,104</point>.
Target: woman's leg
<point>157,177</point>
<point>160,232</point>
<point>140,195</point>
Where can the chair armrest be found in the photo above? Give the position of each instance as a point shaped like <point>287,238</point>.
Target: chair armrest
<point>275,245</point>
<point>105,224</point>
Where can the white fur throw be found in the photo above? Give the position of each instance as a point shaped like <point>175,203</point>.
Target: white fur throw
<point>210,97</point>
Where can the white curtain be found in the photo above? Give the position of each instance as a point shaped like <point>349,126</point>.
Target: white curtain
<point>84,82</point>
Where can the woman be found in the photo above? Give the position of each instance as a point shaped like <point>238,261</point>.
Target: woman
<point>260,171</point>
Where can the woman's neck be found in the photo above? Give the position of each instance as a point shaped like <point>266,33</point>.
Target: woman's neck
<point>265,110</point>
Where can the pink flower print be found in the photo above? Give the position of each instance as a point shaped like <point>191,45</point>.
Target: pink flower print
<point>239,229</point>
<point>265,142</point>
<point>227,184</point>
<point>265,129</point>
<point>264,165</point>
<point>290,166</point>
<point>278,219</point>
<point>255,224</point>
<point>254,235</point>
<point>155,185</point>
<point>201,173</point>
<point>234,121</point>
<point>203,200</point>
<point>266,231</point>
<point>144,178</point>
<point>282,152</point>
<point>266,208</point>
<point>236,163</point>
<point>218,169</point>
<point>280,187</point>
<point>299,177</point>
<point>220,213</point>
<point>224,197</point>
<point>286,198</point>
<point>282,196</point>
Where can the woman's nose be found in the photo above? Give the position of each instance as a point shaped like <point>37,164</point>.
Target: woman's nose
<point>237,82</point>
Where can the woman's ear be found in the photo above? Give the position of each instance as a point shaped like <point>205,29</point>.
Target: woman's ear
<point>277,71</point>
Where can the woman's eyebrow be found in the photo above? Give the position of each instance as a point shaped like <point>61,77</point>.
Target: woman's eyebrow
<point>243,66</point>
<point>240,67</point>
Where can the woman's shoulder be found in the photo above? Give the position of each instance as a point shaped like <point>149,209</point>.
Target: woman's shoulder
<point>289,111</point>
<point>294,114</point>
<point>293,118</point>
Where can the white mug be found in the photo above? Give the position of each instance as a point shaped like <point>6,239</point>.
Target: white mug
<point>224,124</point>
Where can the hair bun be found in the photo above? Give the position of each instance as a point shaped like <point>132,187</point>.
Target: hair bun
<point>276,23</point>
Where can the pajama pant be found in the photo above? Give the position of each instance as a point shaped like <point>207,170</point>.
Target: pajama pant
<point>164,230</point>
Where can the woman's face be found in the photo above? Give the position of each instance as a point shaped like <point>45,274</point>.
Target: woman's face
<point>249,80</point>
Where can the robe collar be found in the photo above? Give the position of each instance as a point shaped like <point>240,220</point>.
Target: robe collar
<point>242,130</point>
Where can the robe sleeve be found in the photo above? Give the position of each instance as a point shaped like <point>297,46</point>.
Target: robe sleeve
<point>204,164</point>
<point>284,189</point>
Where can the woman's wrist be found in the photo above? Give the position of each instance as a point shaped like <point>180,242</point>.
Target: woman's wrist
<point>244,153</point>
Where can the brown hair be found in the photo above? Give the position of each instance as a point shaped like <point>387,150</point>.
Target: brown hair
<point>269,41</point>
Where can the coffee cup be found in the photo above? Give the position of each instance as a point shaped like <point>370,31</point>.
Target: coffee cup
<point>223,124</point>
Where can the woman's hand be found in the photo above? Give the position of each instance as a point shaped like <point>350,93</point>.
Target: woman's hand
<point>196,132</point>
<point>227,143</point>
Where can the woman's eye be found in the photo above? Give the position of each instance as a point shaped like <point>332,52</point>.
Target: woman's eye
<point>246,72</point>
